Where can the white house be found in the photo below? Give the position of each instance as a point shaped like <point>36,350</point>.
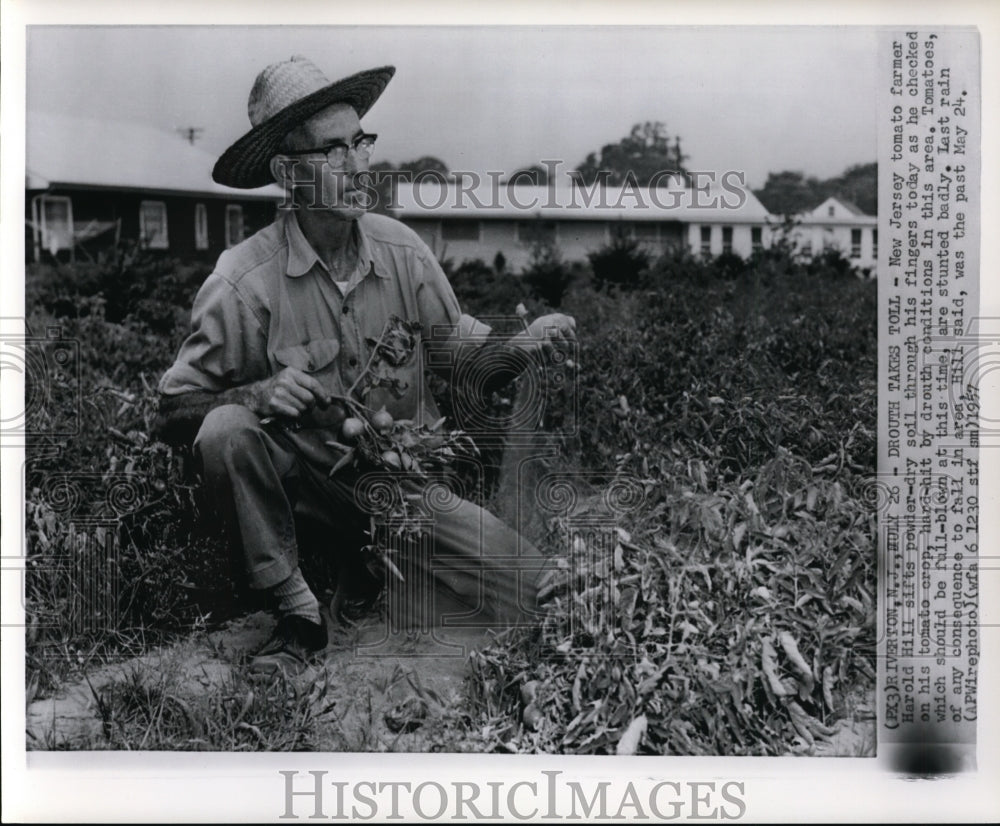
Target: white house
<point>459,220</point>
<point>840,225</point>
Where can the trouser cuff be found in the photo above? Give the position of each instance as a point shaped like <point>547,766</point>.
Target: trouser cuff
<point>274,573</point>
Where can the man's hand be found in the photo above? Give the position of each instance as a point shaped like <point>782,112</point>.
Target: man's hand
<point>547,334</point>
<point>288,393</point>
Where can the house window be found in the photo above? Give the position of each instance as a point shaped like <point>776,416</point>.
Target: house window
<point>855,243</point>
<point>706,240</point>
<point>459,229</point>
<point>200,227</point>
<point>756,239</point>
<point>874,243</point>
<point>727,240</point>
<point>536,232</point>
<point>56,223</point>
<point>234,225</point>
<point>153,225</point>
<point>830,211</point>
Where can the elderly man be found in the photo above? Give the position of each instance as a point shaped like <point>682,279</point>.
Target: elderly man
<point>283,326</point>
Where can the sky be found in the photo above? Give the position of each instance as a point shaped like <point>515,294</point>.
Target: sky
<point>756,100</point>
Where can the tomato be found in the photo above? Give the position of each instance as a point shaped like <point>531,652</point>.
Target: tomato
<point>352,428</point>
<point>382,420</point>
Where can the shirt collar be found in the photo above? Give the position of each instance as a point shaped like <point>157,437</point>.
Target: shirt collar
<point>302,257</point>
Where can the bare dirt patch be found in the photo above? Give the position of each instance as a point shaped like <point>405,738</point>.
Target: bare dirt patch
<point>381,692</point>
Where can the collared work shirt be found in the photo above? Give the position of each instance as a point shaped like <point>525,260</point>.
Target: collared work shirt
<point>271,303</point>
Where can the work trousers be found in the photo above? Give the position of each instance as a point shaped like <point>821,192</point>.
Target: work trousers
<point>468,569</point>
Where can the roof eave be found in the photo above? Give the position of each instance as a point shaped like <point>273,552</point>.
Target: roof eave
<point>234,195</point>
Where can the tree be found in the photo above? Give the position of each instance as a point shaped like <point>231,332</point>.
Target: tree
<point>384,195</point>
<point>646,151</point>
<point>427,163</point>
<point>789,193</point>
<point>859,185</point>
<point>547,275</point>
<point>384,183</point>
<point>533,175</point>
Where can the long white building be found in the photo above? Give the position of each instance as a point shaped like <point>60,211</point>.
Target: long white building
<point>460,221</point>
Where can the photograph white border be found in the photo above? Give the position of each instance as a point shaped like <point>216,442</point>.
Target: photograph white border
<point>86,787</point>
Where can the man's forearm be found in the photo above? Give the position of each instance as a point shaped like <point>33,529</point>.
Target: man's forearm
<point>180,416</point>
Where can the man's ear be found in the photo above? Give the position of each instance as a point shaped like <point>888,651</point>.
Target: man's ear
<point>282,170</point>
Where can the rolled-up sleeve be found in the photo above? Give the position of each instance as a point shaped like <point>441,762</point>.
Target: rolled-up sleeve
<point>476,352</point>
<point>440,315</point>
<point>226,348</point>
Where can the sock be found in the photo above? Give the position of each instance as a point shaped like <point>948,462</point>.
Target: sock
<point>294,597</point>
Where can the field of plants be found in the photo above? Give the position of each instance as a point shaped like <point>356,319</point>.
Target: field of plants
<point>728,607</point>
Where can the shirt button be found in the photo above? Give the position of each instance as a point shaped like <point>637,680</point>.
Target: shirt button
<point>346,309</point>
<point>352,361</point>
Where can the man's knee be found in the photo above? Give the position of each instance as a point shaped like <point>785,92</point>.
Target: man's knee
<point>226,430</point>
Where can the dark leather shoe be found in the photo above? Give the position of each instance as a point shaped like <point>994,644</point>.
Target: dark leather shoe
<point>293,644</point>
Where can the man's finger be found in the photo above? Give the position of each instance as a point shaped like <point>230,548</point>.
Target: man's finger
<point>286,397</point>
<point>313,385</point>
<point>548,347</point>
<point>295,391</point>
<point>279,408</point>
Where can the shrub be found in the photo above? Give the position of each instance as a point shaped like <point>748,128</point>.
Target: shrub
<point>619,264</point>
<point>130,284</point>
<point>745,413</point>
<point>547,275</point>
<point>831,263</point>
<point>729,265</point>
<point>486,291</point>
<point>677,263</point>
<point>500,263</point>
<point>128,313</point>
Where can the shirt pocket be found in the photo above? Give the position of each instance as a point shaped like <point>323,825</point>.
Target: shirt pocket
<point>318,358</point>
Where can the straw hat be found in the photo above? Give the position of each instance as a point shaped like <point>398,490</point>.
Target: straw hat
<point>283,97</point>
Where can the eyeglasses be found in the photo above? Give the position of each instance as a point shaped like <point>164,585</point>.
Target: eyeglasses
<point>336,151</point>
